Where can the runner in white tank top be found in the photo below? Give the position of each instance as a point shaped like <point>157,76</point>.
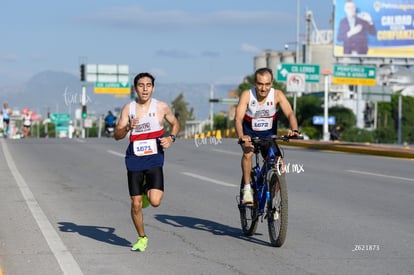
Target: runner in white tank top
<point>144,158</point>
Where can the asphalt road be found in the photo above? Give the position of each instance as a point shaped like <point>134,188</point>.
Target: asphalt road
<point>64,209</point>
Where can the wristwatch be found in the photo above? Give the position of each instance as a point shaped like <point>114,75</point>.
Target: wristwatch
<point>173,137</point>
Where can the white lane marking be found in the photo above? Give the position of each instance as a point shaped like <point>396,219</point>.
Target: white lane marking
<point>379,175</point>
<point>65,259</point>
<point>116,153</point>
<point>189,174</point>
<point>208,179</point>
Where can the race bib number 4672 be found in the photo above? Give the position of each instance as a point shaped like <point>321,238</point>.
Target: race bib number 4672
<point>261,124</point>
<point>145,147</point>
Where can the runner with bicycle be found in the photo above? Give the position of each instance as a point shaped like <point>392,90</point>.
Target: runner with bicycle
<point>256,116</point>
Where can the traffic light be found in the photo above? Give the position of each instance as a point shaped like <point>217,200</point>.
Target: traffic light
<point>82,72</point>
<point>214,100</point>
<point>84,111</point>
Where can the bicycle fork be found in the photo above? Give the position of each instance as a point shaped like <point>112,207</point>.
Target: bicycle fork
<point>269,207</point>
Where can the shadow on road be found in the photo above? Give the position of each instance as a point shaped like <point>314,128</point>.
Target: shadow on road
<point>99,233</point>
<point>208,226</point>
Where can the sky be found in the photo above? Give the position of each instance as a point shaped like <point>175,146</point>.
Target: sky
<point>179,41</point>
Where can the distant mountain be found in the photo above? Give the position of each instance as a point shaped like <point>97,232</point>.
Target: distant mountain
<point>60,92</point>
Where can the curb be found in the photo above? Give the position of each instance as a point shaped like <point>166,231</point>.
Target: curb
<point>347,147</point>
<point>358,148</point>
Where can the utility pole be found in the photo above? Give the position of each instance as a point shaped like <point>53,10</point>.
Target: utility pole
<point>297,29</point>
<point>297,51</point>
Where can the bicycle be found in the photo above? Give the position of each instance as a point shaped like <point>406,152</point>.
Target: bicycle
<point>270,197</point>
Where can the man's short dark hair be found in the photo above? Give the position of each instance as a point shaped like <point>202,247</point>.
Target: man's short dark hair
<point>262,71</point>
<point>141,75</point>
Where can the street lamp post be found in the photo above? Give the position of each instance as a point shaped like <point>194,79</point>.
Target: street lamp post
<point>327,74</point>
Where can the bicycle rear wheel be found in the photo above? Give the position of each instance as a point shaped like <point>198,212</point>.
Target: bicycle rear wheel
<point>248,214</point>
<point>277,215</point>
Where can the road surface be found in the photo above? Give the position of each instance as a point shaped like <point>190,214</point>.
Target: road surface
<point>64,209</point>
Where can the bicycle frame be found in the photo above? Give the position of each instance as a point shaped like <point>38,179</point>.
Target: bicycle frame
<point>262,173</point>
<point>270,195</point>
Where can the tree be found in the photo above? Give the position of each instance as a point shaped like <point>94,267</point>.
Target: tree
<point>307,106</point>
<point>387,120</point>
<point>220,121</point>
<point>180,109</point>
<point>344,117</point>
<point>355,134</point>
<point>384,116</point>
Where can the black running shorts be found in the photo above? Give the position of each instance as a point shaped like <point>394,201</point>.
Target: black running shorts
<point>153,177</point>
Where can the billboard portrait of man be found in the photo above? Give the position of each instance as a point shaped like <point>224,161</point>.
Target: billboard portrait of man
<point>354,29</point>
<point>374,28</point>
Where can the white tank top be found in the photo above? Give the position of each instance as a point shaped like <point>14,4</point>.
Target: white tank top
<point>6,114</point>
<point>27,120</point>
<point>267,109</point>
<point>260,120</point>
<point>149,126</point>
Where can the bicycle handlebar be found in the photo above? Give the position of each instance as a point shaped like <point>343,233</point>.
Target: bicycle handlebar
<point>273,137</point>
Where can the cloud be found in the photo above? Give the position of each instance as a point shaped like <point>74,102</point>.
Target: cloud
<point>174,53</point>
<point>229,79</point>
<point>159,72</point>
<point>183,54</point>
<point>210,54</point>
<point>8,57</point>
<point>247,48</point>
<point>135,16</point>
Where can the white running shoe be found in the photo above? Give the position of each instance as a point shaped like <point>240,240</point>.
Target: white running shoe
<point>247,196</point>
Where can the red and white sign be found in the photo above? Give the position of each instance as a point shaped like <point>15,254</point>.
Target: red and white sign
<point>295,82</point>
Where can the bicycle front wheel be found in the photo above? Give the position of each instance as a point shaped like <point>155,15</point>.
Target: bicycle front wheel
<point>248,214</point>
<point>277,215</point>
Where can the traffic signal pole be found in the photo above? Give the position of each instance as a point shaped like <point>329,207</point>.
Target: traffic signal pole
<point>84,111</point>
<point>83,100</point>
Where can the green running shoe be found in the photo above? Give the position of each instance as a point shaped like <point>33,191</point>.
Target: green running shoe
<point>141,244</point>
<point>145,201</point>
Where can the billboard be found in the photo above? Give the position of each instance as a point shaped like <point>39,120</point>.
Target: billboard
<point>374,28</point>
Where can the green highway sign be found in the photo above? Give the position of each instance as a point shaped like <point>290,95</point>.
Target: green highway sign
<point>354,75</point>
<point>60,117</point>
<point>112,88</point>
<point>61,121</point>
<point>310,71</point>
<point>111,85</point>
